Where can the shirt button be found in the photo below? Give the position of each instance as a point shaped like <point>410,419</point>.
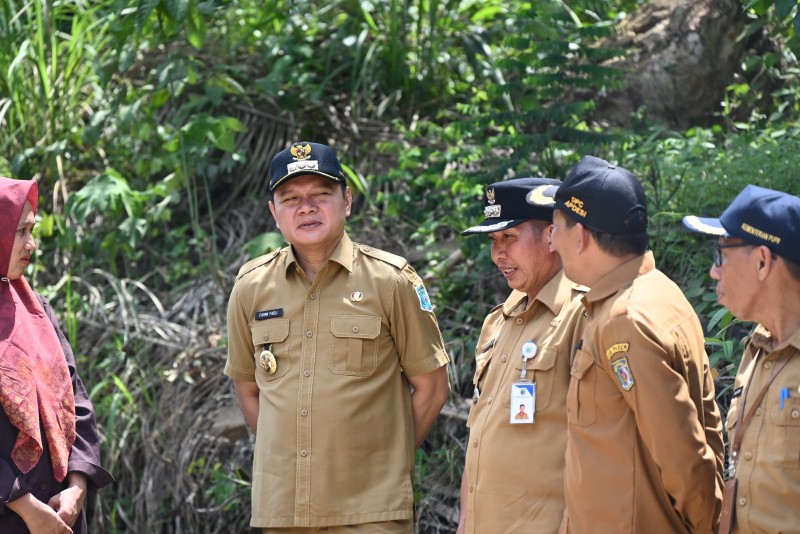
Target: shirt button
<point>309,333</point>
<point>355,329</point>
<point>742,501</point>
<point>304,412</point>
<point>767,365</point>
<point>42,487</point>
<point>504,358</point>
<point>490,400</point>
<point>795,414</point>
<point>472,489</point>
<point>475,443</point>
<point>748,455</point>
<point>304,453</point>
<point>306,373</point>
<point>266,337</point>
<point>312,296</point>
<point>758,410</point>
<point>519,320</point>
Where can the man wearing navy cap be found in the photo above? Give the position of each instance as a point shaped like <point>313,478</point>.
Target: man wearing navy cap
<point>513,480</point>
<point>644,447</point>
<point>757,269</point>
<point>327,338</point>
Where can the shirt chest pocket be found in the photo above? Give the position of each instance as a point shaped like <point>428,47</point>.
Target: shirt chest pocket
<point>581,410</point>
<point>785,444</point>
<point>542,370</point>
<point>353,347</point>
<point>271,334</point>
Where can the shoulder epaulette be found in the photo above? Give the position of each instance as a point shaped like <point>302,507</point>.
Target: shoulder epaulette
<point>388,257</point>
<point>257,262</point>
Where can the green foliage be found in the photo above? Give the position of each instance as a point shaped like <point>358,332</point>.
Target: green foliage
<point>263,243</point>
<point>48,81</point>
<point>767,90</point>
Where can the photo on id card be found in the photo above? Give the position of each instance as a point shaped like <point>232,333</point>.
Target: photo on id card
<point>523,403</point>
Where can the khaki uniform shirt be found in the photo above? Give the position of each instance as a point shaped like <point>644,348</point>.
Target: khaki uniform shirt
<point>335,440</point>
<point>515,473</point>
<point>768,470</point>
<point>644,449</point>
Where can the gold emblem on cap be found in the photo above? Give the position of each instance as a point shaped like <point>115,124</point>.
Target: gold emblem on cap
<point>490,195</point>
<point>537,198</point>
<point>268,362</point>
<point>301,151</point>
<point>356,296</point>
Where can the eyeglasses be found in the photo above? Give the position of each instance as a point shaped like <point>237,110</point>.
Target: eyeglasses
<point>718,251</point>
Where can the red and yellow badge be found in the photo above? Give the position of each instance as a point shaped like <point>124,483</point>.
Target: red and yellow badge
<point>300,151</point>
<point>623,372</point>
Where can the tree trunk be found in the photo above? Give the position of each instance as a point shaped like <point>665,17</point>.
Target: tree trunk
<point>679,57</point>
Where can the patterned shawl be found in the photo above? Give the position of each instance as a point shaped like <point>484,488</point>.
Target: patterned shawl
<point>35,385</point>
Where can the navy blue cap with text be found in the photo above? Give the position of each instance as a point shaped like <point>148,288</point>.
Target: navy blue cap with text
<point>505,204</point>
<point>601,196</point>
<point>305,158</point>
<point>758,216</point>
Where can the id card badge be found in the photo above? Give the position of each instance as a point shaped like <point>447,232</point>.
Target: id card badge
<point>523,403</point>
<point>523,392</point>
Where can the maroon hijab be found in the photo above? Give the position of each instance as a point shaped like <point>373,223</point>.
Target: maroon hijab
<point>35,386</point>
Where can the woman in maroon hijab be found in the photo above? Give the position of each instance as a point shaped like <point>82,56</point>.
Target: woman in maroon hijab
<point>49,447</point>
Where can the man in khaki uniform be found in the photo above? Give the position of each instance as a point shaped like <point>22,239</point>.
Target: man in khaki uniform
<point>337,362</point>
<point>757,269</point>
<point>513,480</point>
<point>644,449</point>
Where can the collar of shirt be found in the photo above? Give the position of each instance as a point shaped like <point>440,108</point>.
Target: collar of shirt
<point>342,254</point>
<point>553,295</point>
<point>762,339</point>
<point>615,280</point>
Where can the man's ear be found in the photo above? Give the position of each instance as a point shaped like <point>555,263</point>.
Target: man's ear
<point>348,201</point>
<point>548,233</point>
<point>766,262</point>
<point>584,237</point>
<point>272,211</point>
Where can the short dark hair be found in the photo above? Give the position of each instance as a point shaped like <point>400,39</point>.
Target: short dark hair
<point>793,268</point>
<point>539,226</point>
<point>617,245</point>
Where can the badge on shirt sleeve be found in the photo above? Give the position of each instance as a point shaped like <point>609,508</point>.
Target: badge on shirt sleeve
<point>616,348</point>
<point>623,372</point>
<point>424,299</point>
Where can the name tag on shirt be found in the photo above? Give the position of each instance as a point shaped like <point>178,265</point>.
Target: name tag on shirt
<point>269,314</point>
